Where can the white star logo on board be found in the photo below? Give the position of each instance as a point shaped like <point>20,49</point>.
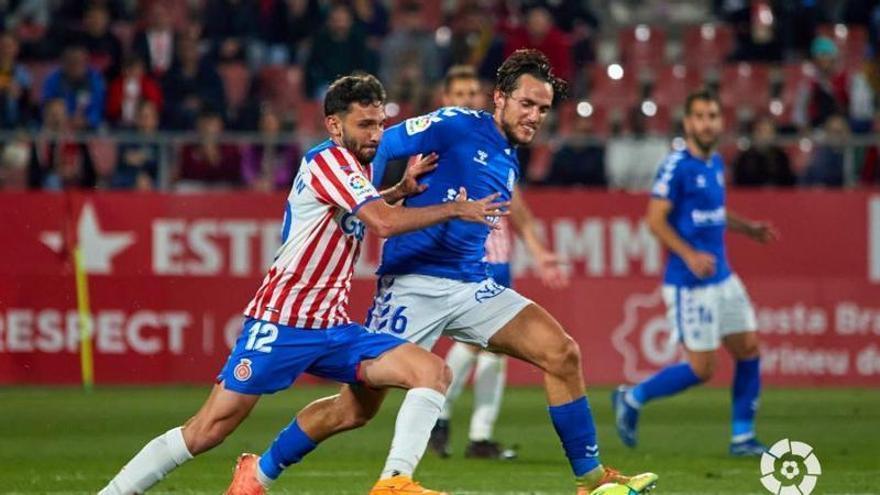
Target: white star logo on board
<point>98,247</point>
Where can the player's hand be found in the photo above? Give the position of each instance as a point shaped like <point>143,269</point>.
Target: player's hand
<point>409,184</point>
<point>552,270</point>
<point>481,210</point>
<point>701,264</point>
<point>763,232</point>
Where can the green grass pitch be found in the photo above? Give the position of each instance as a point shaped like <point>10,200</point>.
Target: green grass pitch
<point>55,440</point>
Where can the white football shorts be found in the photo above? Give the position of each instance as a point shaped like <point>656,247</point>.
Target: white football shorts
<point>702,316</point>
<point>421,308</point>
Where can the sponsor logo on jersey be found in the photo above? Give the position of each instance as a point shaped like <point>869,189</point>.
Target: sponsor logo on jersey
<point>351,226</point>
<point>718,216</point>
<point>242,371</point>
<point>701,181</point>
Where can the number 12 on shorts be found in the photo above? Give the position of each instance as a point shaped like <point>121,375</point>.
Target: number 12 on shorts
<point>261,335</point>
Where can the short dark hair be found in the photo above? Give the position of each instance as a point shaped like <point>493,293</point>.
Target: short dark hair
<point>356,88</point>
<point>533,63</point>
<point>702,94</point>
<point>459,72</point>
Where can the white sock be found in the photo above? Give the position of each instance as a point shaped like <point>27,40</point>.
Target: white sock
<point>460,360</point>
<point>489,382</point>
<point>159,457</point>
<point>416,418</point>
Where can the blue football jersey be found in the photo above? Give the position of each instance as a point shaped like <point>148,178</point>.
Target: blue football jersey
<point>475,155</point>
<point>695,187</point>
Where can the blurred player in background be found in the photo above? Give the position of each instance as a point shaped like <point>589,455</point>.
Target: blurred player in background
<point>706,302</point>
<point>438,283</point>
<point>461,88</point>
<point>297,322</point>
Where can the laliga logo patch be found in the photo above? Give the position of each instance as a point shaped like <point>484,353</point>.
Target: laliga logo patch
<point>416,125</point>
<point>357,182</point>
<point>790,468</point>
<point>242,371</point>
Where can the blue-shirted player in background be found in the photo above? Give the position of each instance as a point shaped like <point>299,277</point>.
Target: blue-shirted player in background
<point>706,302</point>
<point>437,283</point>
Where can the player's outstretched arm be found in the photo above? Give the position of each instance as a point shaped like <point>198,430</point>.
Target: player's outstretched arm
<point>409,184</point>
<point>549,265</point>
<point>702,264</point>
<point>762,232</point>
<point>386,220</point>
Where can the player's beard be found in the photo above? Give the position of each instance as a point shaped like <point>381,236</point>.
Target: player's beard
<point>706,145</point>
<point>509,132</point>
<point>364,154</point>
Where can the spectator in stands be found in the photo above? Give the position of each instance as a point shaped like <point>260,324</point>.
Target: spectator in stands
<point>410,58</point>
<point>209,162</point>
<point>829,160</point>
<point>138,161</point>
<point>764,163</point>
<point>869,160</point>
<point>757,29</point>
<point>273,162</point>
<point>155,44</point>
<point>270,46</point>
<point>15,85</point>
<point>105,49</point>
<point>127,91</point>
<point>25,16</point>
<point>301,20</point>
<point>191,86</point>
<point>80,86</point>
<point>72,11</point>
<point>373,18</point>
<point>14,162</point>
<point>581,160</point>
<point>632,159</point>
<point>475,43</point>
<point>339,48</point>
<point>832,90</point>
<point>61,162</point>
<point>231,25</point>
<point>540,32</point>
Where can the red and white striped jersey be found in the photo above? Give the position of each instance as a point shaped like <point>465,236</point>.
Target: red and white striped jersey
<point>310,279</point>
<point>499,244</point>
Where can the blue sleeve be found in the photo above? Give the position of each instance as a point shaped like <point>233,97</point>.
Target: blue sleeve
<point>419,135</point>
<point>51,88</point>
<point>667,183</point>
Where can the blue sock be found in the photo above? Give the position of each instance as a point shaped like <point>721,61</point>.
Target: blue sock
<point>575,427</point>
<point>746,388</point>
<point>289,447</point>
<point>668,381</point>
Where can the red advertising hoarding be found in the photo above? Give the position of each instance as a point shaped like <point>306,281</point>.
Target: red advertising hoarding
<point>170,274</point>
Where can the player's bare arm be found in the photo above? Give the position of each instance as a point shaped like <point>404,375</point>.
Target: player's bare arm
<point>387,220</point>
<point>549,265</point>
<point>702,264</point>
<point>409,184</point>
<point>759,231</point>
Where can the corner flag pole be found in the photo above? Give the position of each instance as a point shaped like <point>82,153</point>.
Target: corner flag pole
<point>86,360</point>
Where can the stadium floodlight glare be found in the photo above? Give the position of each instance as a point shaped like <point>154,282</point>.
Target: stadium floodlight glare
<point>840,31</point>
<point>806,145</point>
<point>443,36</point>
<point>615,71</point>
<point>392,109</point>
<point>584,109</point>
<point>708,31</point>
<point>649,108</point>
<point>643,33</point>
<point>777,107</point>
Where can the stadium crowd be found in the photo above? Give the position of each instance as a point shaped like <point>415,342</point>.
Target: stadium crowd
<point>145,94</point>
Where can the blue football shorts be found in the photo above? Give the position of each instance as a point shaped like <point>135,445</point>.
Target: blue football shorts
<point>268,357</point>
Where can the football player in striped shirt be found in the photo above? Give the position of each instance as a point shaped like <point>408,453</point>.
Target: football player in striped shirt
<point>297,321</point>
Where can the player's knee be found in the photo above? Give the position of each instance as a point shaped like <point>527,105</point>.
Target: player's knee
<point>433,374</point>
<point>704,369</point>
<point>565,358</point>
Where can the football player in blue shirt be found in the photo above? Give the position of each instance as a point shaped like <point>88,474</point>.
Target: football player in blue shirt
<point>706,302</point>
<point>437,283</point>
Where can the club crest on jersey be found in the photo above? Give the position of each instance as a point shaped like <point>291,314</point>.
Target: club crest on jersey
<point>701,181</point>
<point>242,371</point>
<point>416,125</point>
